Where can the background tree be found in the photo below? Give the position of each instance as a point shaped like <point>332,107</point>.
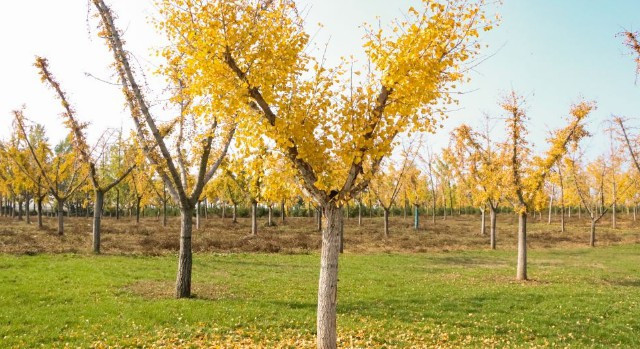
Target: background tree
<point>63,175</point>
<point>528,174</point>
<point>100,181</point>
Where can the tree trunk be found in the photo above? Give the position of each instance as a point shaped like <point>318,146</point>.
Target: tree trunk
<point>117,204</point>
<point>60,216</point>
<point>39,212</point>
<point>198,216</point>
<point>360,214</point>
<point>319,218</point>
<point>98,201</point>
<point>404,210</point>
<point>282,211</point>
<point>185,259</point>
<point>138,199</point>
<point>328,281</point>
<point>483,221</point>
<point>224,210</point>
<point>416,217</point>
<point>550,208</point>
<point>386,222</point>
<point>613,215</point>
<point>27,209</point>
<point>254,218</point>
<point>592,239</point>
<point>270,215</point>
<point>522,247</point>
<point>164,213</point>
<point>562,218</point>
<point>579,211</point>
<point>235,213</point>
<point>347,209</point>
<point>20,210</point>
<point>492,228</point>
<point>634,212</point>
<point>433,213</point>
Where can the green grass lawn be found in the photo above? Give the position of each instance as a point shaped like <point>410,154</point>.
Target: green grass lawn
<point>578,297</point>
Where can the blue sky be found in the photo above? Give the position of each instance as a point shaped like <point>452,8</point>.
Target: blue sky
<point>551,51</point>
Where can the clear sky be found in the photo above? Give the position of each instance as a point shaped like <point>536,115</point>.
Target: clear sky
<point>552,51</point>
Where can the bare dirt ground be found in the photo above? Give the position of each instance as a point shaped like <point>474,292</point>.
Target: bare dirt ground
<point>299,235</point>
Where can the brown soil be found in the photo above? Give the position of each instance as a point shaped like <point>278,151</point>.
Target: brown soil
<point>299,235</point>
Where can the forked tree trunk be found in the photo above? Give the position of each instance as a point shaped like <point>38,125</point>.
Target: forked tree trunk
<point>97,214</point>
<point>592,239</point>
<point>328,281</point>
<point>492,228</point>
<point>254,218</point>
<point>386,221</point>
<point>522,247</point>
<point>60,217</point>
<point>416,217</point>
<point>185,258</point>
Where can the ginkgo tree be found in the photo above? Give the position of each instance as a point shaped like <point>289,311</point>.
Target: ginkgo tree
<point>486,171</point>
<point>186,167</point>
<point>526,174</point>
<point>62,173</point>
<point>334,136</point>
<point>100,182</point>
<point>589,184</point>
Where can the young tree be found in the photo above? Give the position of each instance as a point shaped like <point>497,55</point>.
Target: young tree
<point>386,186</point>
<point>416,189</point>
<point>527,174</point>
<point>335,140</point>
<point>589,184</point>
<point>186,170</point>
<point>63,175</point>
<point>486,169</point>
<point>101,182</point>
